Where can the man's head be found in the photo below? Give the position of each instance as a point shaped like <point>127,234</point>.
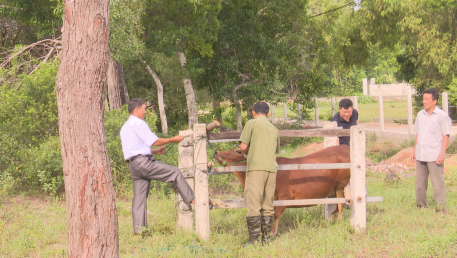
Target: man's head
<point>345,108</point>
<point>137,108</point>
<point>261,109</point>
<point>430,99</point>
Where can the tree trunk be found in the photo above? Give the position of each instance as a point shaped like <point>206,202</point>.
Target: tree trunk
<point>192,111</point>
<point>80,86</point>
<point>239,124</point>
<point>116,85</point>
<point>216,108</point>
<point>163,115</point>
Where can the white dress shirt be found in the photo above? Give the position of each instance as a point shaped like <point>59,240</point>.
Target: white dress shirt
<point>136,138</point>
<point>430,131</point>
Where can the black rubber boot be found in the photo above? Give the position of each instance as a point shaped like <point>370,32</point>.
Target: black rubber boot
<point>254,229</point>
<point>267,223</point>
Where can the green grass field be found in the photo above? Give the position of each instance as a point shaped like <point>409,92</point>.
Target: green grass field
<point>367,112</point>
<point>36,227</point>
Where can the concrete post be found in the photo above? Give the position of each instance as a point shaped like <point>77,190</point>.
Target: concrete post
<point>284,108</point>
<point>316,112</point>
<point>272,116</point>
<point>445,102</point>
<point>355,102</point>
<point>333,106</point>
<point>186,164</point>
<point>201,203</point>
<point>357,181</point>
<point>410,114</point>
<point>365,86</point>
<point>299,112</point>
<point>381,113</point>
<point>330,141</point>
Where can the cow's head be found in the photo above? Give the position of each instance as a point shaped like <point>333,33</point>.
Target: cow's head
<point>230,157</point>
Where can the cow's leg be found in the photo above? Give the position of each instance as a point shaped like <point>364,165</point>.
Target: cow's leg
<point>340,194</point>
<point>278,213</point>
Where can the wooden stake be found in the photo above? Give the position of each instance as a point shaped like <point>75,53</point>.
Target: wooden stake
<point>186,165</point>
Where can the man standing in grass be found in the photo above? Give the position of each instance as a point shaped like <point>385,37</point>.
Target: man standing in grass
<point>347,117</point>
<point>432,128</point>
<point>260,141</point>
<point>137,138</point>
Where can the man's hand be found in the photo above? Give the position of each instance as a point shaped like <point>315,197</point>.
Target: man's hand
<point>159,151</point>
<point>440,159</point>
<point>178,138</point>
<point>413,156</point>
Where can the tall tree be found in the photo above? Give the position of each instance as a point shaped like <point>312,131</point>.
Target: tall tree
<point>80,87</point>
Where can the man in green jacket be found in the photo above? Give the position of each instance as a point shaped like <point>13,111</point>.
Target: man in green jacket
<point>260,142</point>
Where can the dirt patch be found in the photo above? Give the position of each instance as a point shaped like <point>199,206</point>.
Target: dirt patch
<point>308,149</point>
<point>403,157</point>
<point>449,162</point>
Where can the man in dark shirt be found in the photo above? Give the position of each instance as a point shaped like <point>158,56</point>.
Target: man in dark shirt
<point>347,117</point>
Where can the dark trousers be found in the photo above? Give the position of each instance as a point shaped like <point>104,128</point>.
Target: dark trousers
<point>423,170</point>
<point>144,169</point>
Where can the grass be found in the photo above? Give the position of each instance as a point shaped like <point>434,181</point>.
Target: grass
<point>367,112</point>
<point>395,228</point>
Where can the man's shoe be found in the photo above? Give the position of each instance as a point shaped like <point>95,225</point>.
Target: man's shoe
<point>254,229</point>
<point>267,223</point>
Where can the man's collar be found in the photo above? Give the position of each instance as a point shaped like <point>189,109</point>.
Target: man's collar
<point>434,110</point>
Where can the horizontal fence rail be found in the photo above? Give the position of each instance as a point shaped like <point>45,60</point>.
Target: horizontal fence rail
<point>287,133</point>
<point>239,203</point>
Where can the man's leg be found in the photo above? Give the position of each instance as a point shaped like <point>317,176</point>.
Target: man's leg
<point>253,196</point>
<point>140,193</point>
<point>267,206</point>
<point>439,188</point>
<point>154,170</point>
<point>421,183</point>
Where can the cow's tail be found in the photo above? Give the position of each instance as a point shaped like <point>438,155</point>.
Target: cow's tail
<point>347,194</point>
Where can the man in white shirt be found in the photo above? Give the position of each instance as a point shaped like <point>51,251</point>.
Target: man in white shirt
<point>432,128</point>
<point>136,140</point>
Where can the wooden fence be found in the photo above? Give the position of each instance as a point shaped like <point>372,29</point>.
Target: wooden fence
<point>194,165</point>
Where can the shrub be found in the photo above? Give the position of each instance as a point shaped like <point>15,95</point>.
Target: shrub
<point>365,99</point>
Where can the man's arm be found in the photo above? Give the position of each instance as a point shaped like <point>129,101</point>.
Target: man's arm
<point>413,155</point>
<point>162,141</point>
<point>440,159</point>
<point>160,150</point>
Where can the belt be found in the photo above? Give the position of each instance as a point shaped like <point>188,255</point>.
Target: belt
<point>134,157</point>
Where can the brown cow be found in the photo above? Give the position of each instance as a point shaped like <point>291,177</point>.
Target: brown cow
<point>301,184</point>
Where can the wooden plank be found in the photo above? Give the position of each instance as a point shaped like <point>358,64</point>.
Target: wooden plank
<point>201,204</point>
<point>357,182</point>
<point>186,164</point>
<point>226,170</point>
<point>239,203</point>
<point>338,132</point>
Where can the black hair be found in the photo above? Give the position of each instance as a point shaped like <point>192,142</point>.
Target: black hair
<point>261,108</point>
<point>434,92</point>
<point>134,103</point>
<point>346,103</point>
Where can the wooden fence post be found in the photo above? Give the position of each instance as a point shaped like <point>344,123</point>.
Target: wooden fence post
<point>186,164</point>
<point>333,106</point>
<point>201,202</point>
<point>357,182</point>
<point>410,114</point>
<point>445,103</point>
<point>329,141</point>
<point>355,102</point>
<point>381,113</point>
<point>316,112</point>
<point>284,108</point>
<point>299,112</point>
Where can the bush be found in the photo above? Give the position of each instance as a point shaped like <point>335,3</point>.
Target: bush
<point>365,99</point>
